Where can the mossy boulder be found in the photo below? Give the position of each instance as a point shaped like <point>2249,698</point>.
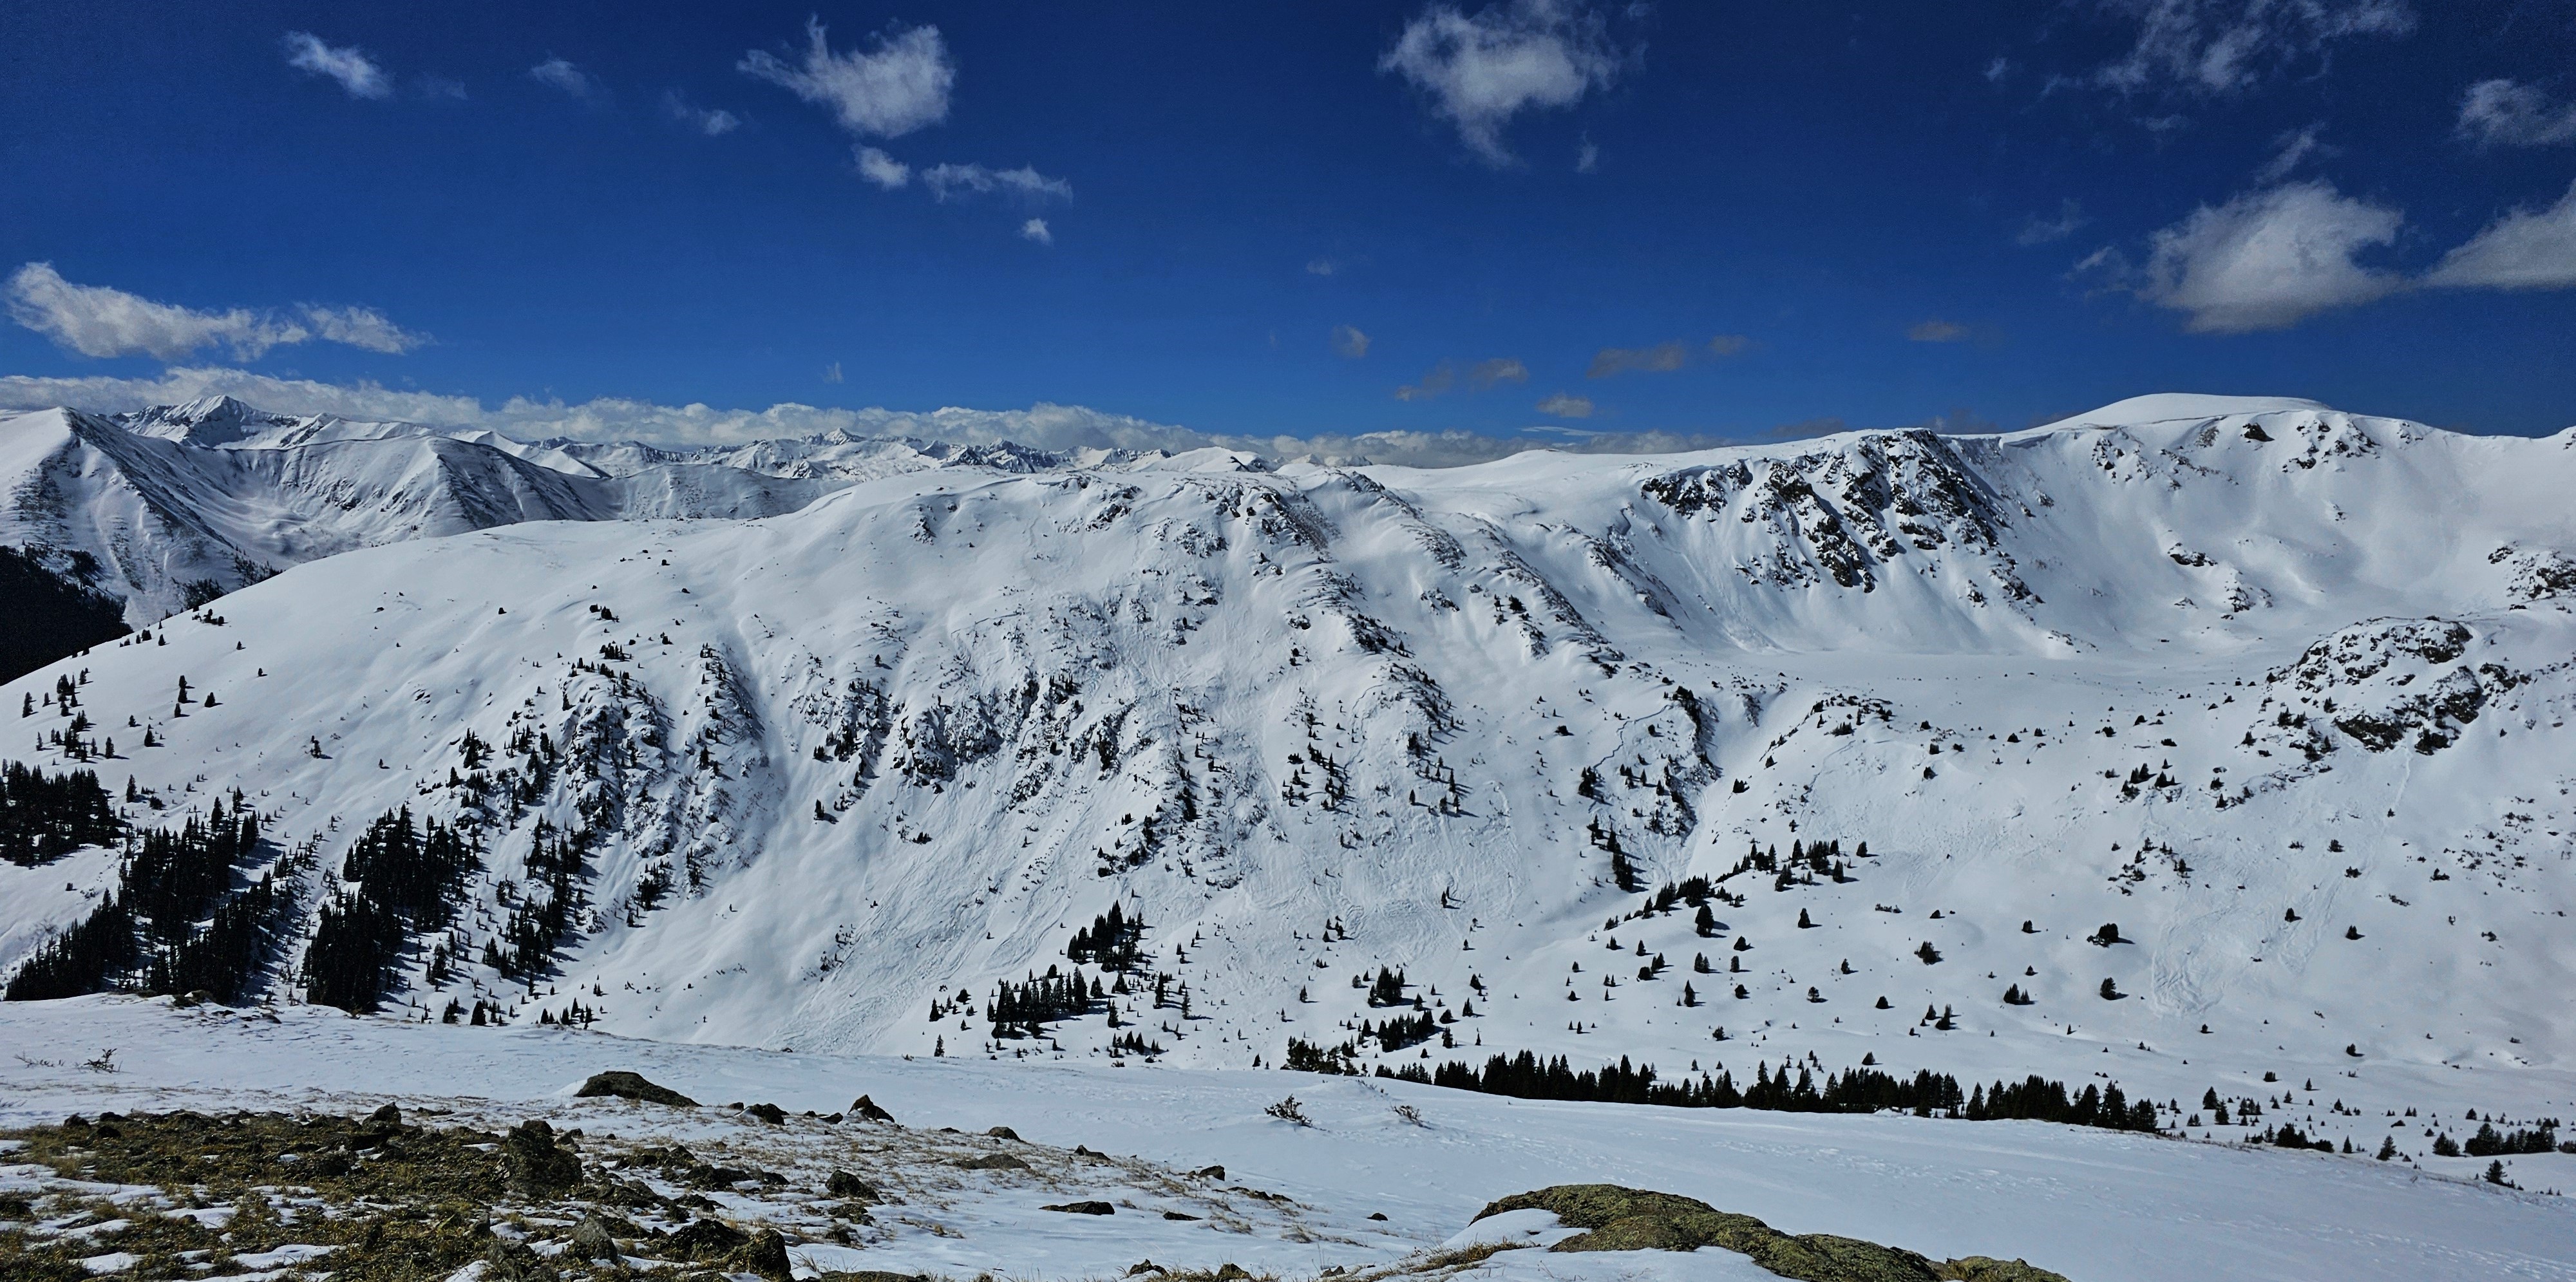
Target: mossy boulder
<point>1625,1219</point>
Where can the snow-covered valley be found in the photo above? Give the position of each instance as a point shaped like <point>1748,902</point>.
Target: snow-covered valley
<point>2213,748</point>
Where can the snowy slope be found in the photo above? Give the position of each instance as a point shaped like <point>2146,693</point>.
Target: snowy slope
<point>2277,690</point>
<point>2093,1206</point>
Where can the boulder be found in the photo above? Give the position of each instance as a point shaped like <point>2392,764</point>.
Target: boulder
<point>625,1085</point>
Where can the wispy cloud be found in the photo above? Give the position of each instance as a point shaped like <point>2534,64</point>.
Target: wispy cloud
<point>2214,47</point>
<point>832,372</point>
<point>2502,113</point>
<point>1936,330</point>
<point>346,64</point>
<point>1662,358</point>
<point>1561,405</point>
<point>1728,345</point>
<point>1480,70</point>
<point>711,121</point>
<point>1349,342</point>
<point>362,327</point>
<point>1442,377</point>
<point>100,321</point>
<point>1036,229</point>
<point>1322,267</point>
<point>2525,249</point>
<point>2291,150</point>
<point>1587,156</point>
<point>948,180</point>
<point>2041,231</point>
<point>1501,369</point>
<point>560,74</point>
<point>900,86</point>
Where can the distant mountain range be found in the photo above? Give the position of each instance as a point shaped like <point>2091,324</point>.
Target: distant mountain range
<point>120,520</point>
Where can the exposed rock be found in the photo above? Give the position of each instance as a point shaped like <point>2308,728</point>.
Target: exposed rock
<point>536,1164</point>
<point>866,1110</point>
<point>1624,1219</point>
<point>1082,1208</point>
<point>626,1085</point>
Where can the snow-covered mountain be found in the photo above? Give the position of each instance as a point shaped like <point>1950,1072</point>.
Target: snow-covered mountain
<point>160,510</point>
<point>2231,734</point>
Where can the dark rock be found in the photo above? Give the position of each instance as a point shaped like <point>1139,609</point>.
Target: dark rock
<point>866,1110</point>
<point>770,1113</point>
<point>765,1254</point>
<point>1178,1215</point>
<point>706,1239</point>
<point>386,1116</point>
<point>1232,1273</point>
<point>1004,1133</point>
<point>535,1163</point>
<point>993,1162</point>
<point>622,1084</point>
<point>849,1185</point>
<point>1208,1173</point>
<point>591,1240</point>
<point>1082,1208</point>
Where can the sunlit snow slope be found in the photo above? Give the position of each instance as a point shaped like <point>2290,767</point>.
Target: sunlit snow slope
<point>2276,690</point>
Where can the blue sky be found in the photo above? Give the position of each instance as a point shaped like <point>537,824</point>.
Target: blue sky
<point>1679,220</point>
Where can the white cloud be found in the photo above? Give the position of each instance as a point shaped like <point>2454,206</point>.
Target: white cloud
<point>2501,113</point>
<point>1587,157</point>
<point>348,65</point>
<point>2041,231</point>
<point>711,121</point>
<point>441,87</point>
<point>1350,342</point>
<point>1662,358</point>
<point>2269,259</point>
<point>1728,344</point>
<point>361,327</point>
<point>1036,229</point>
<point>1936,330</point>
<point>96,320</point>
<point>2226,46</point>
<point>1501,369</point>
<point>1322,267</point>
<point>560,73</point>
<point>832,372</point>
<point>946,180</point>
<point>1564,406</point>
<point>1480,71</point>
<point>883,170</point>
<point>2522,250</point>
<point>900,87</point>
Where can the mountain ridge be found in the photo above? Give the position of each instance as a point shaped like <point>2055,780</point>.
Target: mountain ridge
<point>837,765</point>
